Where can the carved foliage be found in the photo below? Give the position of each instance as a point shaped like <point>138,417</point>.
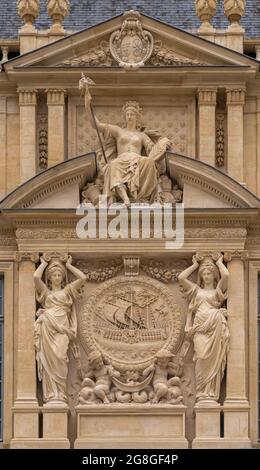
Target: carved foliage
<point>205,9</point>
<point>220,139</point>
<point>234,9</point>
<point>100,271</point>
<point>163,55</point>
<point>58,10</point>
<point>28,10</point>
<point>164,272</point>
<point>96,56</point>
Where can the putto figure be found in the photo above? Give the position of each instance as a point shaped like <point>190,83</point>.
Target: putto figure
<point>131,176</point>
<point>56,326</point>
<point>206,324</point>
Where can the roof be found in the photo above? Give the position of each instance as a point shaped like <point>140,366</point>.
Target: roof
<point>86,13</point>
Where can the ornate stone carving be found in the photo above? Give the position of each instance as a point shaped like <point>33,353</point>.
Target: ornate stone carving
<point>7,237</point>
<point>207,96</point>
<point>163,55</point>
<point>131,328</point>
<point>58,10</point>
<point>164,272</point>
<point>235,95</point>
<point>131,46</point>
<point>100,271</point>
<point>205,10</point>
<point>26,256</point>
<point>27,96</point>
<point>206,323</point>
<point>229,255</point>
<point>55,329</point>
<point>123,152</point>
<point>234,10</point>
<point>49,255</point>
<point>43,141</point>
<point>28,10</point>
<point>55,96</point>
<point>131,265</point>
<point>96,56</point>
<point>220,140</point>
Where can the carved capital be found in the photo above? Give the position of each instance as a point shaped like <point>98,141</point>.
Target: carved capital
<point>236,254</point>
<point>58,10</point>
<point>27,96</point>
<point>234,10</point>
<point>26,256</point>
<point>131,265</point>
<point>207,96</point>
<point>56,96</point>
<point>236,96</point>
<point>215,255</point>
<point>49,255</point>
<point>28,10</point>
<point>205,10</point>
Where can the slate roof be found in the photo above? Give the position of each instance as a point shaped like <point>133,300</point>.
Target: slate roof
<point>86,13</point>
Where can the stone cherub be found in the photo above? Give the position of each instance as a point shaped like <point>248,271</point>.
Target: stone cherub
<point>164,388</point>
<point>97,382</point>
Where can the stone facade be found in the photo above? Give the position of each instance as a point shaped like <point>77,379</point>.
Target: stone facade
<point>137,344</point>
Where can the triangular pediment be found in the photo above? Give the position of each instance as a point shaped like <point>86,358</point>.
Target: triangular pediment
<point>92,47</point>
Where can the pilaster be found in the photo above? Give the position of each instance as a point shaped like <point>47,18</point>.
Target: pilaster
<point>207,124</point>
<point>28,150</point>
<point>235,132</point>
<point>56,125</point>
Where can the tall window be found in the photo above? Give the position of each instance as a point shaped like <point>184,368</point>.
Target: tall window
<point>1,353</point>
<point>259,357</point>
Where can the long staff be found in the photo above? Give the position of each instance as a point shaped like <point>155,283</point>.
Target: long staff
<point>84,85</point>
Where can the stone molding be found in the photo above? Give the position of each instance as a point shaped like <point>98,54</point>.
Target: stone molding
<point>207,96</point>
<point>56,96</point>
<point>236,96</point>
<point>236,254</point>
<point>27,96</point>
<point>26,256</point>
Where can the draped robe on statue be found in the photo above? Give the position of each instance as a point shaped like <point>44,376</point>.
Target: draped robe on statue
<point>139,173</point>
<point>55,327</point>
<point>211,339</point>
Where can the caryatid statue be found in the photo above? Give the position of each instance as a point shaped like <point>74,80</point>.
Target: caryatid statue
<point>206,324</point>
<point>56,326</point>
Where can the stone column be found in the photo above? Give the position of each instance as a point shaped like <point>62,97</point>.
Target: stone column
<point>236,407</point>
<point>2,146</point>
<point>235,132</point>
<point>25,409</point>
<point>207,125</point>
<point>258,145</point>
<point>56,126</point>
<point>28,151</point>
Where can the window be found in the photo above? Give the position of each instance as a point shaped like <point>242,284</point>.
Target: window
<point>1,353</point>
<point>258,356</point>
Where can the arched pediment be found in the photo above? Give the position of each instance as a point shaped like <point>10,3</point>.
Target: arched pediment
<point>59,187</point>
<point>206,187</point>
